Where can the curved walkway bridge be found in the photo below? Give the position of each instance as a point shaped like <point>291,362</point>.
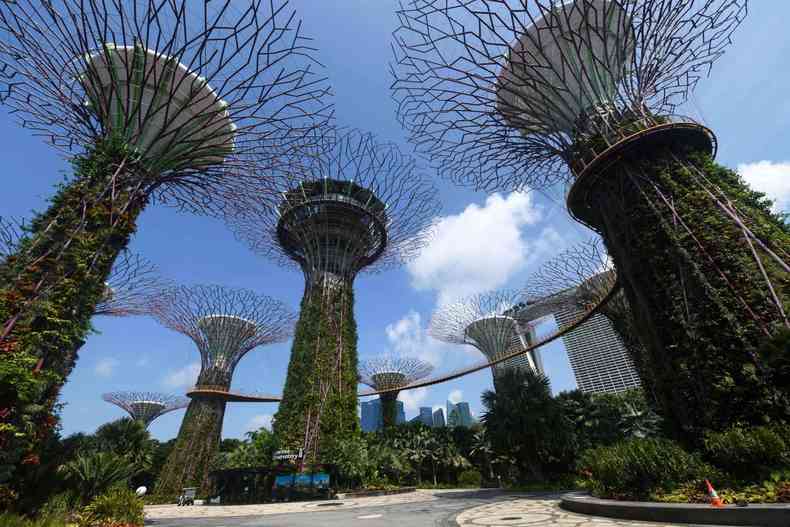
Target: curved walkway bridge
<point>533,313</point>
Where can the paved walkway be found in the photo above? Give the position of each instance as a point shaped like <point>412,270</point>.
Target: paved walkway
<point>533,512</point>
<point>158,512</point>
<point>482,508</point>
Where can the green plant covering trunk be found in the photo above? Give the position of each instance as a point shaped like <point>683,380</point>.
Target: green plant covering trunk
<point>700,343</point>
<point>319,406</point>
<point>618,313</point>
<point>48,293</point>
<point>389,409</point>
<point>196,446</point>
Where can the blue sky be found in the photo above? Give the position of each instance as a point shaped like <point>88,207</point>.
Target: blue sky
<point>745,102</point>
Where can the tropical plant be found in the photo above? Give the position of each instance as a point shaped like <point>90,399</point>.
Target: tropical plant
<point>636,468</point>
<point>749,454</point>
<point>129,438</point>
<point>481,447</point>
<point>524,422</point>
<point>470,478</point>
<point>118,507</point>
<point>92,474</point>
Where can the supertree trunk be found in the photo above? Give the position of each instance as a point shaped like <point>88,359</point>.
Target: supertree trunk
<point>319,398</point>
<point>50,289</point>
<point>618,312</point>
<point>389,409</point>
<point>701,304</point>
<point>196,446</point>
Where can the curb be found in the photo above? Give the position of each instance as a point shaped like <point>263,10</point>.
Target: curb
<point>768,515</point>
<point>368,493</point>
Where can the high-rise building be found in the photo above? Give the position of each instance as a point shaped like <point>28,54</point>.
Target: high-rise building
<point>426,415</point>
<point>438,418</point>
<point>371,418</point>
<point>523,336</point>
<point>459,414</point>
<point>598,357</point>
<point>371,415</point>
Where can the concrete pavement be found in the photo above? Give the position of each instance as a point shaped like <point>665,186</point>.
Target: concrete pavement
<point>442,508</point>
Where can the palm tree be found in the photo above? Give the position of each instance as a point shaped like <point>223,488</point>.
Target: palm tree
<point>129,438</point>
<point>524,421</point>
<point>92,474</point>
<point>481,446</point>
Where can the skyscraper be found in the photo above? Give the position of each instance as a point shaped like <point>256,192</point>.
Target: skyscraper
<point>426,415</point>
<point>371,415</point>
<point>459,414</point>
<point>438,418</point>
<point>371,418</point>
<point>598,357</point>
<point>523,336</point>
<point>599,360</point>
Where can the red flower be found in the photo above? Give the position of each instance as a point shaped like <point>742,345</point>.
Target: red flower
<point>31,459</point>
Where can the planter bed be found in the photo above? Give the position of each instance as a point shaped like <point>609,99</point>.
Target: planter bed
<point>761,515</point>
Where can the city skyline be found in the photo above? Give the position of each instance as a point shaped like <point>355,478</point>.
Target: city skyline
<point>136,354</point>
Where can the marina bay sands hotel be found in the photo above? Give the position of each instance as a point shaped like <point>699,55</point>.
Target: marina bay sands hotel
<point>598,358</point>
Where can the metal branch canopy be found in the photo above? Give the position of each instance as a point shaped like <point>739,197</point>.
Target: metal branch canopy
<point>202,92</point>
<point>498,94</point>
<point>133,283</point>
<point>146,406</point>
<point>224,323</point>
<point>354,204</point>
<point>390,373</point>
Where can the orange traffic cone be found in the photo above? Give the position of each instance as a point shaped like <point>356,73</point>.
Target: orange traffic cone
<point>715,500</point>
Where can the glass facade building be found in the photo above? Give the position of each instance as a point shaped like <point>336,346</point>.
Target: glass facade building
<point>371,418</point>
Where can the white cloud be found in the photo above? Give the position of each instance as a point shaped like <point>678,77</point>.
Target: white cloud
<point>142,361</point>
<point>408,338</point>
<point>258,421</point>
<point>770,178</point>
<point>184,377</point>
<point>413,399</point>
<point>480,248</point>
<point>105,367</point>
<point>455,396</point>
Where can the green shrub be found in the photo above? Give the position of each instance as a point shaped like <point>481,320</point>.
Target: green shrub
<point>635,468</point>
<point>749,454</point>
<point>92,474</point>
<point>776,489</point>
<point>117,507</point>
<point>12,520</point>
<point>470,478</point>
<point>59,505</point>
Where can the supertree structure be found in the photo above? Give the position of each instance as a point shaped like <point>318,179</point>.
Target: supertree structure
<point>224,324</point>
<point>132,284</point>
<point>583,94</point>
<point>485,322</point>
<point>387,375</point>
<point>146,406</point>
<point>185,102</point>
<point>356,204</point>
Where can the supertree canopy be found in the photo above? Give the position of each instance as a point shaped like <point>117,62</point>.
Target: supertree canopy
<point>356,204</point>
<point>516,94</point>
<point>186,102</point>
<point>224,324</point>
<point>387,375</point>
<point>146,406</point>
<point>484,321</point>
<point>132,284</point>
